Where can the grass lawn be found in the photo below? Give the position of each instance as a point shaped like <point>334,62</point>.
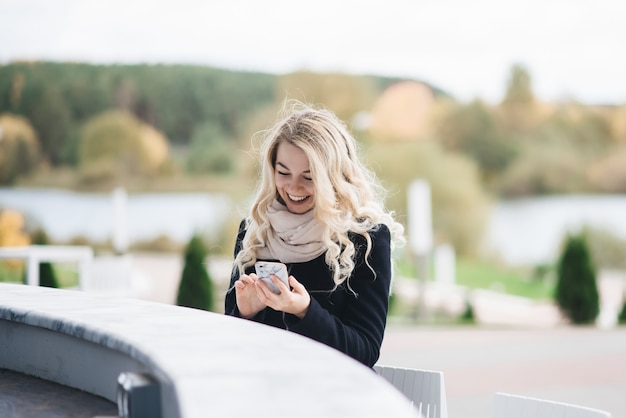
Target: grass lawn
<point>519,282</point>
<point>476,274</point>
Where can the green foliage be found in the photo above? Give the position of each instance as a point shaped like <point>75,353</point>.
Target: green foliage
<point>519,86</point>
<point>210,151</point>
<point>59,97</point>
<point>51,117</point>
<point>621,318</point>
<point>522,146</point>
<point>19,148</point>
<point>473,130</point>
<point>576,291</point>
<point>47,276</point>
<point>10,273</point>
<point>195,289</point>
<point>116,142</point>
<point>111,140</point>
<point>477,274</point>
<point>459,207</point>
<point>542,171</point>
<point>468,317</point>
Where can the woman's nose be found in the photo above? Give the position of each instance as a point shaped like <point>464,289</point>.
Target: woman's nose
<point>294,183</point>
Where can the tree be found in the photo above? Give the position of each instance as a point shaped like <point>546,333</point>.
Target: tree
<point>576,290</point>
<point>19,148</point>
<point>519,108</point>
<point>210,150</point>
<point>519,87</point>
<point>473,130</point>
<point>12,235</point>
<point>195,289</point>
<point>50,115</point>
<point>344,94</point>
<point>117,143</point>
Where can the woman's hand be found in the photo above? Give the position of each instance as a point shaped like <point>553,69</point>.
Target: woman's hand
<point>246,292</point>
<point>294,301</point>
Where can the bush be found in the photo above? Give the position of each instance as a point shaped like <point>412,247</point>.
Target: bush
<point>19,148</point>
<point>621,319</point>
<point>47,276</point>
<point>576,290</point>
<point>195,289</point>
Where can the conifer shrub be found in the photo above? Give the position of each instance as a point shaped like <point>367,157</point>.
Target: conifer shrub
<point>47,276</point>
<point>576,290</point>
<point>621,318</point>
<point>195,289</point>
<point>468,316</point>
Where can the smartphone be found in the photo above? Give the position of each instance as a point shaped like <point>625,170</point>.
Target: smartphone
<point>265,268</point>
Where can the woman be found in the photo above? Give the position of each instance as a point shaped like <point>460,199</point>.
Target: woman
<point>319,211</point>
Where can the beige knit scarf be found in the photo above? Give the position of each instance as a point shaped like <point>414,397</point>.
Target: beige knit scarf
<point>292,238</point>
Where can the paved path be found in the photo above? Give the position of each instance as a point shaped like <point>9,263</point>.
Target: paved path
<point>584,366</point>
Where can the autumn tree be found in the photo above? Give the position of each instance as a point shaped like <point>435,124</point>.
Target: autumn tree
<point>116,142</point>
<point>12,234</point>
<point>518,107</point>
<point>19,148</point>
<point>403,112</point>
<point>344,94</point>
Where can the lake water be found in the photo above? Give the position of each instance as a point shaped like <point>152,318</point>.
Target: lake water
<point>530,231</point>
<point>65,214</point>
<point>526,231</point>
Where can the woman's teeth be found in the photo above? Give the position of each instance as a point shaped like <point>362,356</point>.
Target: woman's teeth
<point>297,198</point>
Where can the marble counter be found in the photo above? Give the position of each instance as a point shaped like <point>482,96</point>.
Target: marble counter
<point>207,364</point>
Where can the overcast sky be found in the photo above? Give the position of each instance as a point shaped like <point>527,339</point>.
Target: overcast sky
<point>572,48</point>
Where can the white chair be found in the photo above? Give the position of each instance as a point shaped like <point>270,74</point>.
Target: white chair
<point>516,406</point>
<point>425,388</point>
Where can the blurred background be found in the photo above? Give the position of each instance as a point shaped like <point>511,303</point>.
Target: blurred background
<point>129,127</point>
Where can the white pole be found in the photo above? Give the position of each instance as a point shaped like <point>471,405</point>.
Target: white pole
<point>445,268</point>
<point>32,277</point>
<point>420,218</point>
<point>420,236</point>
<point>120,234</point>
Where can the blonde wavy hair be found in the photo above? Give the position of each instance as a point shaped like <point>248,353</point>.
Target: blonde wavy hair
<point>348,197</point>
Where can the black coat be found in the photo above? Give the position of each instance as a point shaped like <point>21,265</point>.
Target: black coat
<point>352,324</point>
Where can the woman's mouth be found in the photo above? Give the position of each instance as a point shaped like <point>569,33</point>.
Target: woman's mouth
<point>297,199</point>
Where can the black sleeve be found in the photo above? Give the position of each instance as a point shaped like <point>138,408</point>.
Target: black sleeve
<point>230,301</point>
<point>359,328</point>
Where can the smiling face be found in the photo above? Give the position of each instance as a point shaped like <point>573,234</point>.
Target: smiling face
<point>292,176</point>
